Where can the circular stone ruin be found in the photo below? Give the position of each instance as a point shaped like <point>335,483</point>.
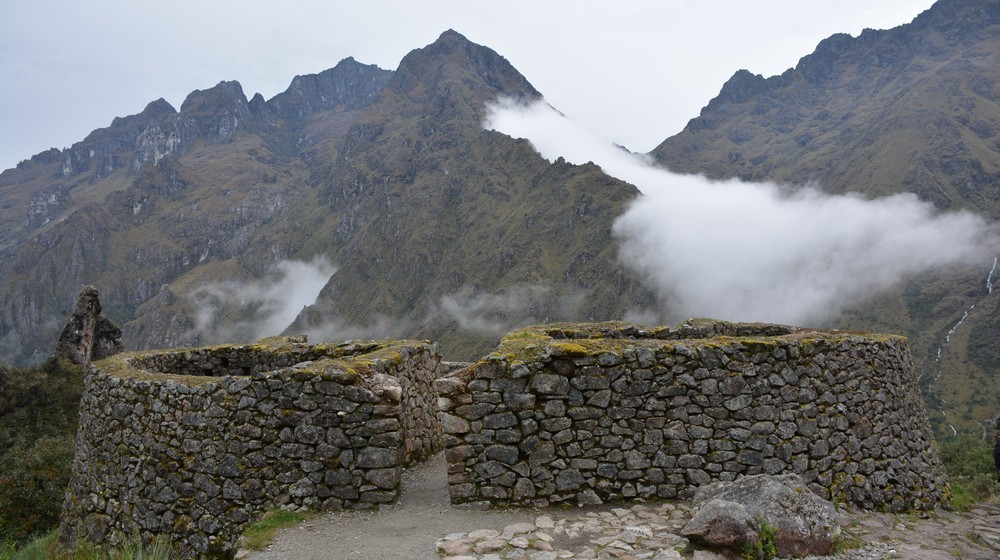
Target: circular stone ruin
<point>190,445</point>
<point>586,414</point>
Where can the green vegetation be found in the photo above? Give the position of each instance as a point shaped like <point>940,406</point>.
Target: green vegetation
<point>973,476</point>
<point>38,417</point>
<point>765,547</point>
<point>261,533</point>
<point>47,547</point>
<point>984,340</point>
<point>844,542</point>
<point>33,480</point>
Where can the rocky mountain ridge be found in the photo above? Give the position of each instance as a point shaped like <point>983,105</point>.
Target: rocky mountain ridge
<point>379,171</point>
<point>913,108</point>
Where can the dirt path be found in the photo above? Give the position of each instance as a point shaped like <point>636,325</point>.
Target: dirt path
<point>407,530</point>
<point>411,528</point>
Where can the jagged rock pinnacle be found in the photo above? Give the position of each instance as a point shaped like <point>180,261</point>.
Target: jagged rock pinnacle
<point>88,335</point>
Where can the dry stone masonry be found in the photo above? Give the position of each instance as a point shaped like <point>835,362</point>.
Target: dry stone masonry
<point>189,445</point>
<point>587,414</point>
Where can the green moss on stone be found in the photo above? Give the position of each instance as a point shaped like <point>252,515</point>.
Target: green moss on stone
<point>345,362</point>
<point>568,349</point>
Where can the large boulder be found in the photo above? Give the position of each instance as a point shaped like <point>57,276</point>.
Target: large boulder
<point>88,335</point>
<point>729,515</point>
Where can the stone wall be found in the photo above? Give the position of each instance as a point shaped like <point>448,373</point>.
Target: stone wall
<point>586,414</point>
<point>192,444</point>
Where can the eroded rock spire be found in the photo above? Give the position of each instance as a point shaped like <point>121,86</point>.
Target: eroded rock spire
<point>88,335</point>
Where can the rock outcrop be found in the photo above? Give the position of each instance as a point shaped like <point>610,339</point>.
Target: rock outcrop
<point>730,515</point>
<point>88,335</point>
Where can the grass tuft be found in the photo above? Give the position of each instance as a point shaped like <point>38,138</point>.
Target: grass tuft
<point>48,547</point>
<point>260,534</point>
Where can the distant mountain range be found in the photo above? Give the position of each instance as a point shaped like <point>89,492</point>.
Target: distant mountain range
<point>911,109</point>
<point>440,229</point>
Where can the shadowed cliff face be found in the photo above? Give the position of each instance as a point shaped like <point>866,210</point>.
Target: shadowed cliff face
<point>911,109</point>
<point>349,85</point>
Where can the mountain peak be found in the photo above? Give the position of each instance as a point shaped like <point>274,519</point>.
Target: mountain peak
<point>958,18</point>
<point>154,111</point>
<point>454,58</point>
<point>159,107</point>
<point>224,96</point>
<point>841,57</point>
<point>450,38</point>
<point>742,86</point>
<point>349,84</point>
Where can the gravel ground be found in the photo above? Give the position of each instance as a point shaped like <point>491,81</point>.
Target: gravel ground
<point>407,530</point>
<point>423,522</point>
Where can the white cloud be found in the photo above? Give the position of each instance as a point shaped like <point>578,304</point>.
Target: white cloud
<point>497,313</point>
<point>333,329</point>
<point>472,310</point>
<point>233,311</point>
<point>748,251</point>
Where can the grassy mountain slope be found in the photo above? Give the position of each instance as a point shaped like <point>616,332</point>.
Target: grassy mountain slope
<point>911,109</point>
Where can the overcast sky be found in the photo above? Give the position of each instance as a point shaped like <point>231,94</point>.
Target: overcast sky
<point>633,72</point>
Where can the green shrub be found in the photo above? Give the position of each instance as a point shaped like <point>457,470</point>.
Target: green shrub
<point>971,470</point>
<point>967,455</point>
<point>844,542</point>
<point>765,547</point>
<point>33,481</point>
<point>39,410</point>
<point>968,491</point>
<point>41,401</point>
<point>7,549</point>
<point>41,548</point>
<point>47,547</point>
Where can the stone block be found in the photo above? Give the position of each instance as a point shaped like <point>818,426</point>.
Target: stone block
<point>549,384</point>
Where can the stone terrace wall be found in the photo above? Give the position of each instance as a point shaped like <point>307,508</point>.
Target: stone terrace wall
<point>587,414</point>
<point>194,456</point>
